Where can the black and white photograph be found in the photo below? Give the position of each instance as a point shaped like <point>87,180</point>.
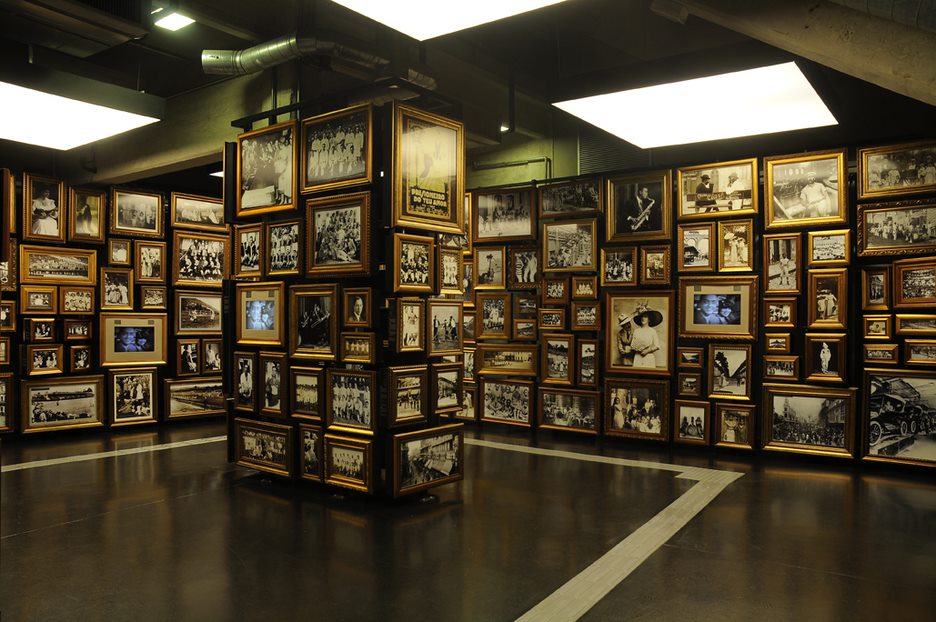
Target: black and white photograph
<point>881,353</point>
<point>806,418</point>
<point>689,384</point>
<point>150,262</point>
<point>266,169</point>
<point>248,259</point>
<point>506,359</point>
<point>898,228</point>
<point>357,306</point>
<point>136,214</point>
<point>877,326</point>
<point>916,324</point>
<point>526,305</point>
<point>468,281</point>
<point>734,426</point>
<point>829,248</point>
<point>42,264</point>
<point>65,403</point>
<point>780,312</point>
<point>875,288</point>
<point>619,266</point>
<point>116,288</point>
<point>504,215</point>
<point>729,371</point>
<point>494,315</point>
<point>490,267</point>
<point>450,271</point>
<point>427,458</point>
<point>358,347</point>
<point>696,243</point>
<point>781,367</point>
<point>638,329</point>
<point>577,198</point>
<point>717,309</point>
<point>212,356</point>
<point>77,330</point>
<point>805,189</point>
<point>76,300</point>
<point>306,390</point>
<point>44,360</point>
<point>200,259</point>
<point>409,398</point>
<point>336,149</point>
<point>199,313</point>
<point>311,443</point>
<point>468,363</point>
<point>351,399</point>
<point>468,326</point>
<point>195,397</point>
<point>314,321</point>
<point>414,267</point>
<point>920,351</point>
<point>656,265</point>
<point>586,316</point>
<point>717,190</point>
<point>916,283</point>
<point>569,246</point>
<point>261,312</point>
<point>523,268</point>
<point>506,401</point>
<point>339,235</point>
<point>736,238</point>
<point>690,356</point>
<point>188,363</point>
<point>134,396</point>
<point>6,403</point>
<point>445,323</point>
<point>410,323</point>
<point>44,217</point>
<point>639,207</point>
<point>584,288</point>
<point>893,170</point>
<point>447,386</point>
<point>245,366</point>
<point>556,291</point>
<point>134,339</point>
<point>550,319</point>
<point>38,299</point>
<point>827,297</point>
<point>263,446</point>
<point>119,252</point>
<point>898,415</point>
<point>587,362</point>
<point>566,409</point>
<point>282,248</point>
<point>825,357</point>
<point>272,368</point>
<point>692,420</point>
<point>637,408</point>
<point>189,211</point>
<point>558,362</point>
<point>781,260</point>
<point>524,329</point>
<point>347,462</point>
<point>7,315</point>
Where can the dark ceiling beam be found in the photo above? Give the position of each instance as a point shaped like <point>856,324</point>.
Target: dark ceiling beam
<point>882,52</point>
<point>213,18</point>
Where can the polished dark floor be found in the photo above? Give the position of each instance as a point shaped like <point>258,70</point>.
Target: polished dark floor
<point>182,535</point>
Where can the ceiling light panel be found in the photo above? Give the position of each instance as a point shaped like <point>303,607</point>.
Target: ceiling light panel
<point>174,21</point>
<point>425,19</point>
<point>765,100</point>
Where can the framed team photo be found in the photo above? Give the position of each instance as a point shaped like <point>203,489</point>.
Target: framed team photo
<point>358,348</point>
<point>506,359</point>
<point>307,392</point>
<point>506,401</point>
<point>200,259</point>
<point>261,313</point>
<point>578,198</point>
<point>198,313</point>
<point>57,265</point>
<point>897,228</point>
<point>136,214</point>
<point>717,190</point>
<point>117,288</point>
<point>349,462</point>
<point>190,211</point>
<point>314,318</point>
<point>780,312</point>
<point>783,271</point>
<point>76,300</point>
<point>428,171</point>
<point>150,261</point>
<point>336,149</point>
<point>338,236</point>
<point>805,190</point>
<point>812,420</point>
<point>44,209</point>
<point>639,207</point>
<point>722,307</point>
<point>584,287</point>
<point>493,315</point>
<point>881,354</point>
<point>637,408</point>
<point>893,170</point>
<point>283,248</point>
<point>86,215</point>
<point>568,410</point>
<point>351,400</point>
<point>413,263</point>
<point>503,214</point>
<point>555,291</point>
<point>550,319</point>
<point>266,170</point>
<point>586,315</point>
<point>569,246</point>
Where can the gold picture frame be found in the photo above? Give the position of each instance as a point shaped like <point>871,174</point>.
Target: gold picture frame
<point>734,425</point>
<point>44,359</point>
<point>314,319</point>
<point>45,213</point>
<point>491,209</point>
<point>261,313</point>
<point>38,299</point>
<point>490,267</point>
<point>86,215</point>
<point>915,283</point>
<point>446,445</point>
<point>349,462</point>
<point>266,170</point>
<point>895,402</point>
<point>729,371</point>
<point>877,167</point>
<point>320,143</point>
<point>358,347</point>
<point>79,398</point>
<point>506,359</point>
<point>692,422</point>
<point>828,248</point>
<point>828,298</point>
<point>806,190</point>
<point>619,266</point>
<point>875,288</point>
<point>565,247</point>
<point>249,247</point>
<point>409,322</point>
<point>781,367</point>
<point>117,289</point>
<point>586,315</point>
<point>717,190</point>
<point>736,245</point>
<point>283,257</point>
<point>131,339</point>
<point>825,357</point>
<point>639,332</point>
<point>135,213</point>
<point>332,247</point>
<point>76,300</point>
<point>568,410</point>
<point>896,228</point>
<point>192,211</point>
<point>639,207</point>
<point>57,265</point>
<point>264,446</point>
<point>187,271</point>
<point>809,420</point>
<point>413,263</point>
<point>149,261</point>
<point>881,354</point>
<point>655,265</point>
<point>718,307</point>
<point>782,267</point>
<point>637,408</point>
<point>696,247</point>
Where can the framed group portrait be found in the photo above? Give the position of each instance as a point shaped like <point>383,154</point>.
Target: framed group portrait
<point>57,265</point>
<point>133,396</point>
<point>506,401</point>
<point>338,234</point>
<point>734,425</point>
<point>639,207</point>
<point>200,259</point>
<point>413,263</point>
<point>149,261</point>
<point>637,408</point>
<point>283,248</point>
<point>337,149</point>
<point>349,462</point>
<point>428,170</point>
<point>691,422</point>
<point>568,410</point>
<point>136,214</point>
<point>915,283</point>
<point>266,170</point>
<point>264,446</point>
<point>891,170</point>
<point>805,190</point>
<point>504,214</point>
<point>619,266</point>
<point>306,392</point>
<point>897,228</point>
<point>717,190</point>
<point>351,400</point>
<point>190,211</point>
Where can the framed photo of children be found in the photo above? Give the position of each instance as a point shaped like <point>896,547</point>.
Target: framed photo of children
<point>639,207</point>
<point>189,211</point>
<point>338,236</point>
<point>637,408</point>
<point>135,213</point>
<point>717,190</point>
<point>266,170</point>
<point>894,170</point>
<point>86,215</point>
<point>502,215</point>
<point>805,190</point>
<point>639,328</point>
<point>428,171</point>
<point>44,209</point>
<point>897,228</point>
<point>336,149</point>
<point>722,307</point>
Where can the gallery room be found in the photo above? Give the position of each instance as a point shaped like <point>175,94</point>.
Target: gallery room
<point>534,310</point>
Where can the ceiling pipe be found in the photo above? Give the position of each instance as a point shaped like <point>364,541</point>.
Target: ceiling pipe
<point>283,49</point>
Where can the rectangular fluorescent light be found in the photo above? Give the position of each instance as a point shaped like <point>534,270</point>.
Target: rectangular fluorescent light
<point>777,98</point>
<point>174,21</point>
<point>38,118</point>
<point>425,19</point>
<point>218,174</point>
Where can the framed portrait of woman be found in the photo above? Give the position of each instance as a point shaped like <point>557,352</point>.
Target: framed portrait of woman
<point>639,328</point>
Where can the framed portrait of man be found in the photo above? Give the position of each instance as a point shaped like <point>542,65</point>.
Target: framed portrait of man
<point>639,207</point>
<point>314,319</point>
<point>805,190</point>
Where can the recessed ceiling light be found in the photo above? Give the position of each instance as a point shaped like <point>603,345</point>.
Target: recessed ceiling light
<point>174,21</point>
<point>38,118</point>
<point>425,19</point>
<point>777,98</point>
